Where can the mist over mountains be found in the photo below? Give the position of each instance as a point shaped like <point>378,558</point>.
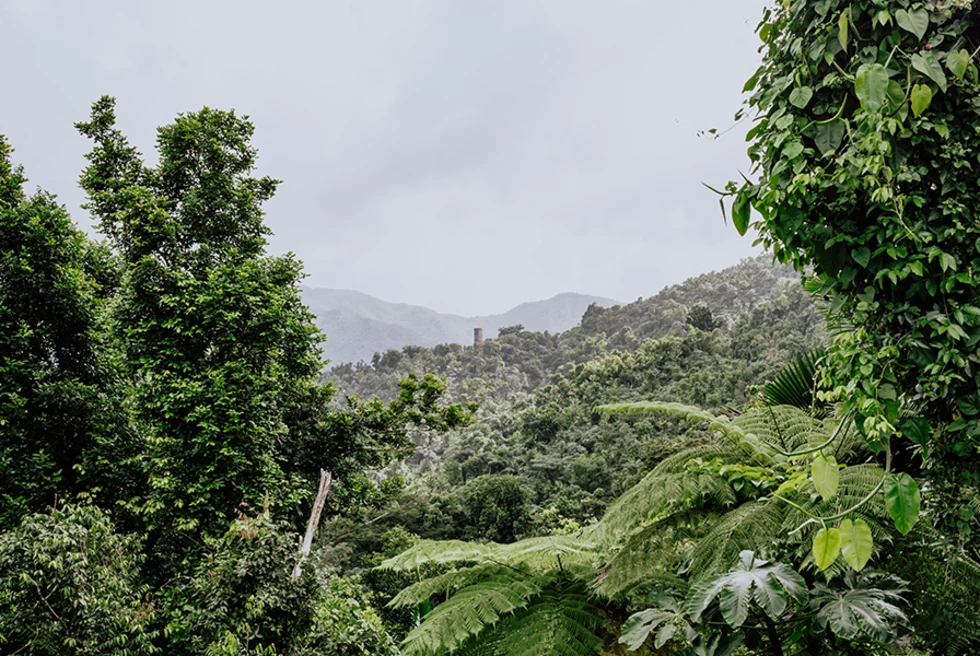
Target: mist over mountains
<point>358,325</point>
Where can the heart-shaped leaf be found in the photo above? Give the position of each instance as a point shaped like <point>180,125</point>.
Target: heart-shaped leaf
<point>829,136</point>
<point>826,476</point>
<point>928,64</point>
<point>915,21</point>
<point>921,98</point>
<point>856,543</point>
<point>800,97</point>
<point>870,85</point>
<point>957,62</point>
<point>902,501</point>
<point>826,547</point>
<point>861,255</point>
<point>792,149</point>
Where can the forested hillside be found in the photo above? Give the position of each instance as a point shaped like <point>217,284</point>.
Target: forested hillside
<point>710,341</point>
<point>358,325</point>
<point>737,299</point>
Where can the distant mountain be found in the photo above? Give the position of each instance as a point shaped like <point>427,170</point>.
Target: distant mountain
<point>358,325</point>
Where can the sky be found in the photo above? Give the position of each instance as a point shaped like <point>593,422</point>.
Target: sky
<point>465,155</point>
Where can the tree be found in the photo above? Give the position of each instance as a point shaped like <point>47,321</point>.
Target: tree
<point>69,584</point>
<point>219,349</point>
<point>699,316</point>
<point>62,429</point>
<point>494,507</point>
<point>863,154</point>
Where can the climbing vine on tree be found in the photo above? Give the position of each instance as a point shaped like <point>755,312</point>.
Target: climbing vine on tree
<point>865,167</point>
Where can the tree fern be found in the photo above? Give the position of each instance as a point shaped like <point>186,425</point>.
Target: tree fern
<point>445,584</point>
<point>562,621</point>
<point>469,612</point>
<point>438,551</point>
<point>755,526</point>
<point>651,552</point>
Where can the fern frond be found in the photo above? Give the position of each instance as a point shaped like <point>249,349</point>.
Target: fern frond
<point>446,583</point>
<point>467,613</point>
<point>671,483</point>
<point>562,621</point>
<point>548,554</point>
<point>754,526</point>
<point>438,551</point>
<point>785,427</point>
<point>651,552</point>
<point>676,411</point>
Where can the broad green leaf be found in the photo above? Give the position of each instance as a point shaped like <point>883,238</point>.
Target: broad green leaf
<point>862,256</point>
<point>957,62</point>
<point>829,136</point>
<point>770,585</point>
<point>842,30</point>
<point>928,64</point>
<point>741,211</point>
<point>640,625</point>
<point>859,607</point>
<point>826,547</point>
<point>916,429</point>
<point>921,98</point>
<point>800,97</point>
<point>856,543</point>
<point>902,501</point>
<point>870,85</point>
<point>915,21</point>
<point>826,476</point>
<point>793,149</point>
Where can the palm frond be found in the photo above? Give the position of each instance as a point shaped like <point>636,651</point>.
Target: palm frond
<point>795,385</point>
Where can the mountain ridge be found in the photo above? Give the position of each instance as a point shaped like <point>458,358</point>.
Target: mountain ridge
<point>358,325</point>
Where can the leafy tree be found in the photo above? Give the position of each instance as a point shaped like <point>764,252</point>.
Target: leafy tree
<point>243,599</point>
<point>863,157</point>
<point>62,430</point>
<point>494,507</point>
<point>69,584</point>
<point>700,317</point>
<point>220,351</point>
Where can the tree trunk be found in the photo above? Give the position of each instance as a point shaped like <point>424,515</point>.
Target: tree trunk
<point>326,479</point>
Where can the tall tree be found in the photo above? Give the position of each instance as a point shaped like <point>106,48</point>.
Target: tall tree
<point>221,352</point>
<point>61,426</point>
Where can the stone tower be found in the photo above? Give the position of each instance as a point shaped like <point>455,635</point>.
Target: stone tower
<point>477,336</point>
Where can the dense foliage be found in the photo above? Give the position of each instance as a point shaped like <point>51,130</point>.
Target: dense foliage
<point>864,152</point>
<point>700,472</point>
<point>170,376</point>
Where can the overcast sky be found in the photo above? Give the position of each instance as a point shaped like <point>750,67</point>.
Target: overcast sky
<point>466,155</point>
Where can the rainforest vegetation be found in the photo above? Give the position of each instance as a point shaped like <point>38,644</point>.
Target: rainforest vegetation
<point>781,458</point>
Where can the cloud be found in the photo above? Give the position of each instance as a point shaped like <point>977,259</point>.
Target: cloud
<point>546,145</point>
